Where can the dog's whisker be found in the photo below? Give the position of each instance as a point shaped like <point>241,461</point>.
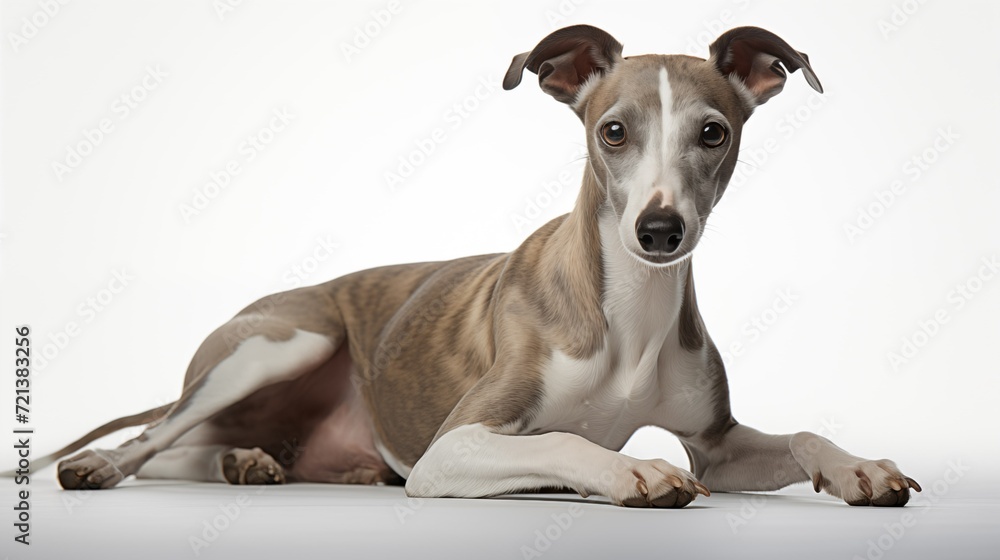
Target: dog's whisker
<point>745,162</point>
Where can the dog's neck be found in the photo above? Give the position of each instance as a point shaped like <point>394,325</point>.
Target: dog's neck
<point>586,252</point>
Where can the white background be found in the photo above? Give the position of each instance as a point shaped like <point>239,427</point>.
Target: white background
<point>822,364</point>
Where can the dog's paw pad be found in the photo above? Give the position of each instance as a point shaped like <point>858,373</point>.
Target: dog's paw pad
<point>869,483</point>
<point>251,466</point>
<point>89,470</point>
<point>659,484</point>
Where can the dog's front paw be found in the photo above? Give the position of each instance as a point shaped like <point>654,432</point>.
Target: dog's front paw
<point>655,483</point>
<point>866,483</point>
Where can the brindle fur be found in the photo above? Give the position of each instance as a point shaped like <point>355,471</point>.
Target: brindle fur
<point>410,354</point>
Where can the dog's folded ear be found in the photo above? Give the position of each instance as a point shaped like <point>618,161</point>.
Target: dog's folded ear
<point>565,60</point>
<point>756,56</point>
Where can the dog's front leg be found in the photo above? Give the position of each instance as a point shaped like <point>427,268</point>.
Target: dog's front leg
<point>474,460</point>
<point>745,459</point>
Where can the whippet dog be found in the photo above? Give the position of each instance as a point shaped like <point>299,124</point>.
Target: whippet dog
<point>530,370</point>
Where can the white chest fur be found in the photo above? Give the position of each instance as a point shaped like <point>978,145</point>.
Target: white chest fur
<point>641,374</point>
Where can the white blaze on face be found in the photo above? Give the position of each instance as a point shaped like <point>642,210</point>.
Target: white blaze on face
<point>666,106</point>
<point>655,173</point>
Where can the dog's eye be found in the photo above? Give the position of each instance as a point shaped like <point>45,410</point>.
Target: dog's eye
<point>713,135</point>
<point>613,133</point>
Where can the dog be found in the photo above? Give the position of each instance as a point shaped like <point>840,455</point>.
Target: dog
<point>508,373</point>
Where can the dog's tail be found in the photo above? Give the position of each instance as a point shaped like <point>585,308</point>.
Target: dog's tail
<point>139,419</point>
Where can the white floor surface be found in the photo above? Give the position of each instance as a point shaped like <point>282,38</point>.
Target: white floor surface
<point>152,520</point>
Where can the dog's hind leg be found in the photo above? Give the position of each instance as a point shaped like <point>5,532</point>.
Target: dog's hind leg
<point>201,463</point>
<point>214,463</point>
<point>250,352</point>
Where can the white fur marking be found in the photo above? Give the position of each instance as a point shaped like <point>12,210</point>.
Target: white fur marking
<point>743,91</point>
<point>655,173</point>
<point>187,462</point>
<point>637,378</point>
<point>256,363</point>
<point>666,110</point>
<point>472,461</point>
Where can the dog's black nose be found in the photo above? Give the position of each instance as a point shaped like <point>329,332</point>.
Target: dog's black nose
<point>661,230</point>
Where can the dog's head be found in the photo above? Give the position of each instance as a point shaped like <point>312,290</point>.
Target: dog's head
<point>663,131</point>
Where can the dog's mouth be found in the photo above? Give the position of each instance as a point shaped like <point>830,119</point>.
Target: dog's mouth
<point>658,259</point>
<point>662,259</point>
